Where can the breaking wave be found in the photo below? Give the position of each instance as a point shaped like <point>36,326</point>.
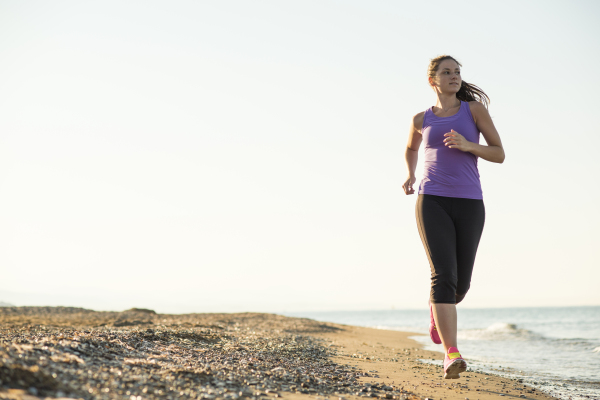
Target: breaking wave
<point>499,331</point>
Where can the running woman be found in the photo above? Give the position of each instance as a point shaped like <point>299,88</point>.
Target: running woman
<point>450,211</point>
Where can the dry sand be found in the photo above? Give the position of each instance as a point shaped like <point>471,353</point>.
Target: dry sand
<point>54,352</point>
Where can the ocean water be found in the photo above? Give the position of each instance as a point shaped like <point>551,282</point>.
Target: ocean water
<point>556,350</point>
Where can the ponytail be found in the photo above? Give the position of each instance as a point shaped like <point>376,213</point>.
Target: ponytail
<point>470,92</point>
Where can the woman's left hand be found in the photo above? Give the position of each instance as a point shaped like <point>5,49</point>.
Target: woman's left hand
<point>455,140</point>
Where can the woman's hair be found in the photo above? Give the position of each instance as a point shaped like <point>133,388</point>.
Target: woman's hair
<point>468,91</point>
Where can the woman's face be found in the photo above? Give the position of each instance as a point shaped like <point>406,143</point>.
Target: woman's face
<point>447,77</point>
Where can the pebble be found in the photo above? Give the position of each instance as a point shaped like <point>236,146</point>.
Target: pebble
<point>139,354</point>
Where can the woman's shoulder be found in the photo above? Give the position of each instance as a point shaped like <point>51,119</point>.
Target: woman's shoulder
<point>476,105</point>
<point>417,121</point>
<point>477,109</point>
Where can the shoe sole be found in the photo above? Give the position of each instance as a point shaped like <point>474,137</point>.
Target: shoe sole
<point>433,339</point>
<point>454,369</point>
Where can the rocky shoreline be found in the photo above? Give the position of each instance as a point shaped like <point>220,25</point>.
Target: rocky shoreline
<point>138,354</point>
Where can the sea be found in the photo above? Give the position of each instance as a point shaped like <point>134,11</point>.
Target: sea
<point>555,350</point>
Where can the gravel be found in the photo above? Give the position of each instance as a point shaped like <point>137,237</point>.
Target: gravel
<point>139,354</point>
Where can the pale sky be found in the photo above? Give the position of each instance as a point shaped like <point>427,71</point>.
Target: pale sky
<point>198,156</point>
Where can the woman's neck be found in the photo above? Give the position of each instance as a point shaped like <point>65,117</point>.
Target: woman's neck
<point>447,102</point>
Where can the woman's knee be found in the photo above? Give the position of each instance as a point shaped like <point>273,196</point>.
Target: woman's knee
<point>443,289</point>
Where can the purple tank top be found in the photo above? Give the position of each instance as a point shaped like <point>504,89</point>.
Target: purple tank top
<point>450,172</point>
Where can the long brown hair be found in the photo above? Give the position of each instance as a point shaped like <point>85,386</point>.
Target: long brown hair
<point>468,91</point>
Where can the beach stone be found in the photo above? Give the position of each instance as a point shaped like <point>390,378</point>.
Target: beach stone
<point>79,353</point>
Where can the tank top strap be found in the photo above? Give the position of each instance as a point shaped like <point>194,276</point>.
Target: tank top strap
<point>427,117</point>
<point>467,112</point>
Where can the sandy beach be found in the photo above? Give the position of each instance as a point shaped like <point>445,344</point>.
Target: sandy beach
<point>63,352</point>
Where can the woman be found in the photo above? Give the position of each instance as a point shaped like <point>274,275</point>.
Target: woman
<point>450,210</point>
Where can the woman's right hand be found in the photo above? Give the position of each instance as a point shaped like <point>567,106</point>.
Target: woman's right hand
<point>408,185</point>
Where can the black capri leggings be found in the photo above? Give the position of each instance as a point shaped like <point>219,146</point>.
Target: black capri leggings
<point>450,228</point>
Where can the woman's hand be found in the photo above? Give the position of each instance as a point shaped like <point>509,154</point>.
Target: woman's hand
<point>407,186</point>
<point>455,140</point>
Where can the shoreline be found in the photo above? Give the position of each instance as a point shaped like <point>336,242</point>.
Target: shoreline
<point>396,357</point>
<point>553,349</point>
<point>54,352</point>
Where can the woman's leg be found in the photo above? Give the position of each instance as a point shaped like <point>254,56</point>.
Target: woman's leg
<point>438,234</point>
<point>446,321</point>
<point>469,218</point>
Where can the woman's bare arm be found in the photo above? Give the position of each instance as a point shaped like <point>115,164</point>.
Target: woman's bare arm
<point>411,154</point>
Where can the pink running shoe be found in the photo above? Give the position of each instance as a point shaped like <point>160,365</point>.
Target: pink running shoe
<point>435,336</point>
<point>453,364</point>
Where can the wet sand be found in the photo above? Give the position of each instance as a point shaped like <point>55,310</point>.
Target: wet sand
<point>58,352</point>
<point>397,360</point>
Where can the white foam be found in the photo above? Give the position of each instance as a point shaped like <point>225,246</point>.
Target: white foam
<point>498,331</point>
<point>502,327</point>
